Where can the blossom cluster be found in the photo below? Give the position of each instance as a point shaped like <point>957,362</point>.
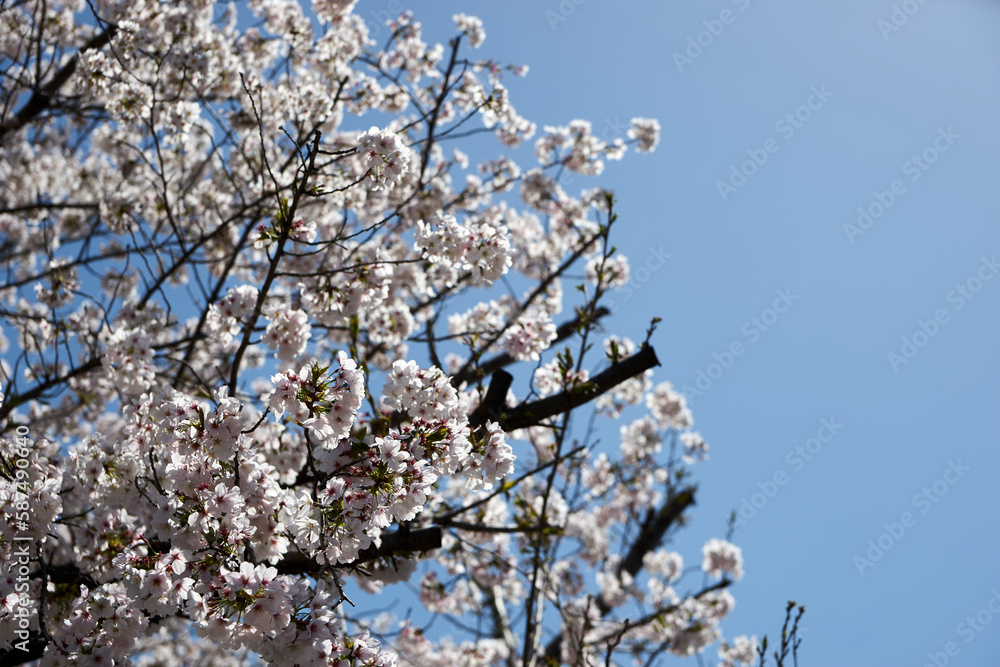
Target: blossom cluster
<point>256,349</point>
<point>480,248</point>
<point>386,157</point>
<point>224,319</point>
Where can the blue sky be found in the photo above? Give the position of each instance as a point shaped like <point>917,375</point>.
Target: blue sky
<point>840,446</point>
<point>881,100</point>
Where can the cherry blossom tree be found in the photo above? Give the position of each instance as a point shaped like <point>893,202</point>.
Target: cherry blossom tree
<point>265,359</point>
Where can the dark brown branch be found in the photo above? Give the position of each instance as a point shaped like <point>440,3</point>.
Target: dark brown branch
<point>15,656</point>
<point>432,124</point>
<point>483,528</point>
<point>650,536</point>
<point>395,543</point>
<point>493,402</point>
<point>42,98</point>
<point>652,532</point>
<point>39,390</point>
<point>530,414</point>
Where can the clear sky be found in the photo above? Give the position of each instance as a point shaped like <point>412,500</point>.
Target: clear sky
<point>900,122</point>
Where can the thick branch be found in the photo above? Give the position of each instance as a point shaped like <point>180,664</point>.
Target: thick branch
<point>530,414</point>
<point>42,98</point>
<point>39,390</point>
<point>653,530</point>
<point>15,656</point>
<point>493,402</point>
<point>400,541</point>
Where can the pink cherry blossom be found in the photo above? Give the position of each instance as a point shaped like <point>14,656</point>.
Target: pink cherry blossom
<point>255,355</point>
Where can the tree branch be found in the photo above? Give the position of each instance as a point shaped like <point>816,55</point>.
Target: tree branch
<point>41,99</point>
<point>565,330</point>
<point>653,530</point>
<point>493,402</point>
<point>531,414</point>
<point>400,541</point>
<point>15,656</point>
